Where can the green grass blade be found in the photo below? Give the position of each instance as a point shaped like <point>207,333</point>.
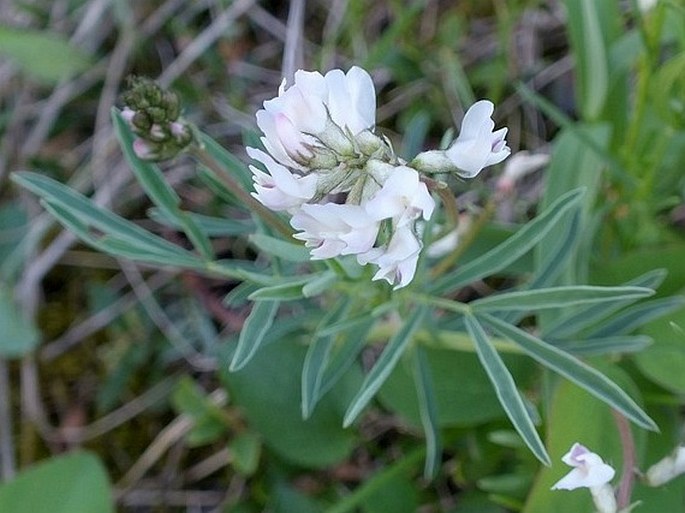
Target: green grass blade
<point>574,370</point>
<point>556,297</point>
<point>511,249</point>
<point>279,248</point>
<point>385,364</point>
<point>252,335</point>
<point>506,390</point>
<point>428,410</point>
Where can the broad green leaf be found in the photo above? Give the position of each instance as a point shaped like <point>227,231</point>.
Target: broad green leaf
<point>664,361</point>
<point>44,55</point>
<point>19,335</point>
<point>636,316</point>
<point>512,249</point>
<point>268,393</point>
<point>73,483</point>
<point>279,248</point>
<point>158,190</point>
<point>556,297</point>
<point>252,335</point>
<point>581,318</point>
<point>506,390</point>
<point>573,369</point>
<point>425,392</point>
<point>386,362</point>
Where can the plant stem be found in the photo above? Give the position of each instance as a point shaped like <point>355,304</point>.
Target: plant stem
<point>625,487</point>
<point>255,206</point>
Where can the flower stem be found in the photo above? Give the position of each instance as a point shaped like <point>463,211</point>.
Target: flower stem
<point>625,487</point>
<point>255,206</point>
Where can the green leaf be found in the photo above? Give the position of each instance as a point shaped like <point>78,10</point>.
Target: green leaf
<point>158,190</point>
<point>513,248</point>
<point>19,335</point>
<point>119,247</point>
<point>586,31</point>
<point>581,318</point>
<point>212,226</point>
<point>508,395</point>
<point>90,216</point>
<point>318,354</point>
<point>322,283</point>
<point>245,450</point>
<point>279,248</point>
<point>73,483</point>
<point>208,421</point>
<point>556,297</point>
<point>573,369</point>
<point>604,345</point>
<point>231,164</point>
<point>383,367</point>
<point>268,393</point>
<point>44,55</point>
<point>428,409</point>
<point>282,292</point>
<point>252,335</point>
<point>637,315</point>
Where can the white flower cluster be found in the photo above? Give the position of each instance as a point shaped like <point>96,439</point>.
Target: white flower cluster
<point>345,189</point>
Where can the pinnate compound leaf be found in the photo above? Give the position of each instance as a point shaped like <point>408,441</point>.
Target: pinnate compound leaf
<point>556,297</point>
<point>506,390</point>
<point>385,364</point>
<point>252,335</point>
<point>574,370</point>
<point>514,247</point>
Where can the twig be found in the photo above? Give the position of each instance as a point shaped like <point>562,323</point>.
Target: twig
<point>293,53</point>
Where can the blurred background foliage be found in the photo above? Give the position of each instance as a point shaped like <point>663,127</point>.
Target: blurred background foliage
<point>119,373</point>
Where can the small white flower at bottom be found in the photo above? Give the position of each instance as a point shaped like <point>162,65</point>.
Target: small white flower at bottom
<point>332,229</point>
<point>403,198</point>
<point>396,261</point>
<point>590,472</point>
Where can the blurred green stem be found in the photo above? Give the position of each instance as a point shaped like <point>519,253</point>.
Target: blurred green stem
<point>246,198</point>
<point>625,487</point>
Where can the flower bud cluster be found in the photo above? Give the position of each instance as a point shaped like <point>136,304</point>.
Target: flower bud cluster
<point>154,115</point>
<point>344,187</point>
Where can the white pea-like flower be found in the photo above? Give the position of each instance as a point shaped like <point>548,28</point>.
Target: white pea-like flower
<point>317,112</point>
<point>402,198</point>
<point>397,261</point>
<point>478,146</point>
<point>589,469</point>
<point>332,229</point>
<point>279,189</point>
<point>668,468</point>
<point>590,472</point>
